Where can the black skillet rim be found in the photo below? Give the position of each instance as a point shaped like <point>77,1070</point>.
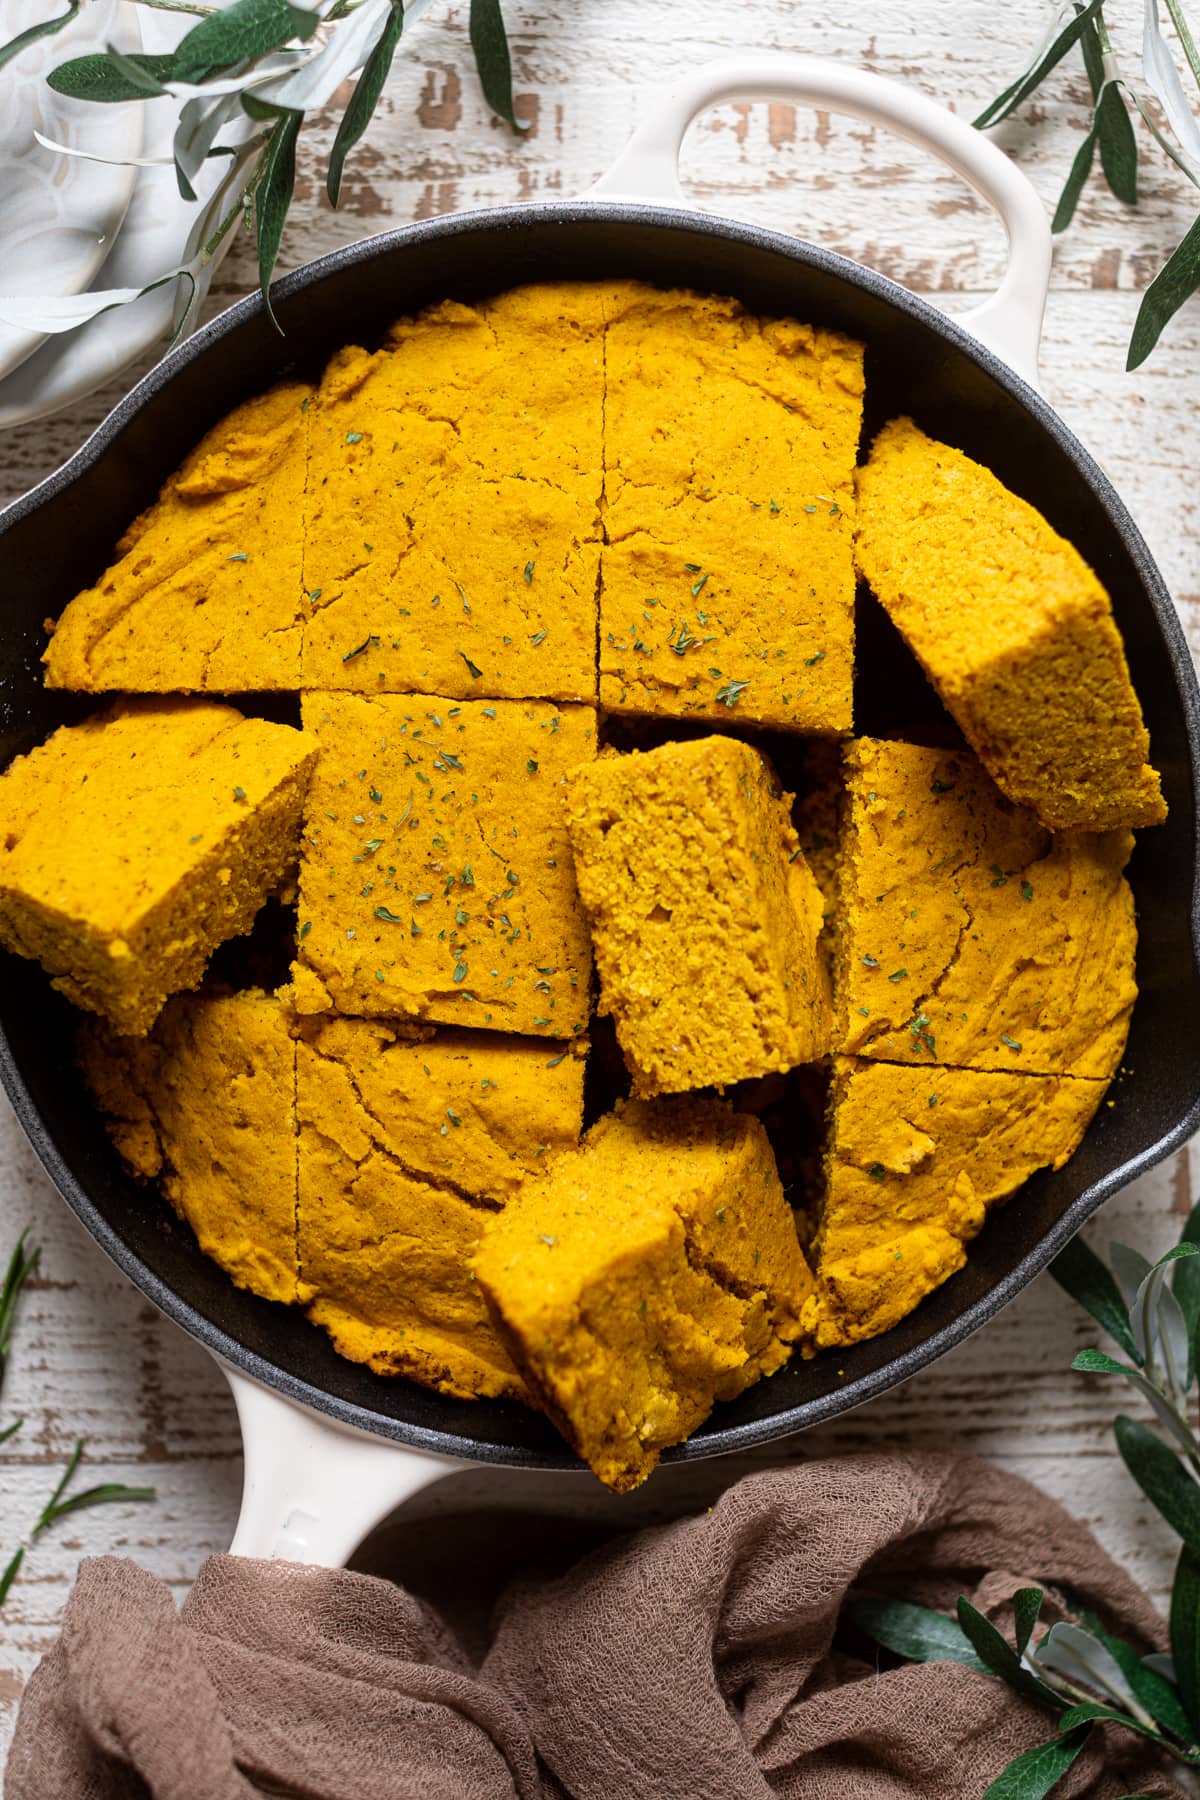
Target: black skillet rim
<point>899,1369</point>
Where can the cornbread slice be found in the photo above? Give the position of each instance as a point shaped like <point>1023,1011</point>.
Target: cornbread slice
<point>703,913</point>
<point>205,593</point>
<point>727,577</point>
<point>207,1104</point>
<point>406,1146</point>
<point>967,934</point>
<point>915,1158</point>
<point>651,1273</point>
<point>452,539</point>
<point>135,843</point>
<point>1013,629</point>
<point>436,879</point>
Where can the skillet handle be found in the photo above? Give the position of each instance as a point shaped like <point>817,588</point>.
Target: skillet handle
<point>1010,321</point>
<point>312,1489</point>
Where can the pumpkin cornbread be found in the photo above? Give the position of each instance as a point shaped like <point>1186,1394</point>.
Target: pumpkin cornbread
<point>207,1103</point>
<point>436,879</point>
<point>968,935</point>
<point>915,1158</point>
<point>453,511</point>
<point>653,1272</point>
<point>727,576</point>
<point>205,592</point>
<point>406,1144</point>
<point>704,916</point>
<point>133,844</point>
<point>1013,629</point>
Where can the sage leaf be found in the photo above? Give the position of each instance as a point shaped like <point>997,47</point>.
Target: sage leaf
<point>1076,181</point>
<point>96,77</point>
<point>1095,1362</point>
<point>147,85</point>
<point>22,41</point>
<point>1080,1271</point>
<point>9,1574</point>
<point>273,196</point>
<point>489,43</point>
<point>1162,1663</point>
<point>1155,1690</point>
<point>1035,1772</point>
<point>1088,1713</point>
<point>365,98</point>
<point>1073,1651</point>
<point>1156,1319</point>
<point>1027,1604</point>
<point>995,1650</point>
<point>1161,1477</point>
<point>1186,1284</point>
<point>200,120</point>
<point>1175,282</point>
<point>1130,1268</point>
<point>314,84</point>
<point>1111,122</point>
<point>21,1265</point>
<point>1162,77</point>
<point>1047,59</point>
<point>915,1632</point>
<point>239,33</point>
<point>1185,1635</point>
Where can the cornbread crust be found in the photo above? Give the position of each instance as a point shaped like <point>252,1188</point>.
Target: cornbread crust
<point>452,895</point>
<point>727,577</point>
<point>453,509</point>
<point>205,591</point>
<point>139,840</point>
<point>914,1160</point>
<point>207,1104</point>
<point>655,1271</point>
<point>704,916</point>
<point>406,1144</point>
<point>967,935</point>
<point>1013,629</point>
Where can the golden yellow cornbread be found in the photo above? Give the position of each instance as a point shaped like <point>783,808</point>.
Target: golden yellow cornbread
<point>453,510</point>
<point>207,1103</point>
<point>914,1159</point>
<point>436,879</point>
<point>405,1146</point>
<point>133,844</point>
<point>727,581</point>
<point>969,936</point>
<point>1013,629</point>
<point>653,1272</point>
<point>205,591</point>
<point>703,913</point>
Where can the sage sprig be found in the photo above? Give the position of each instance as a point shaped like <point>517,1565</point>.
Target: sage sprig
<point>1158,96</point>
<point>1077,1670</point>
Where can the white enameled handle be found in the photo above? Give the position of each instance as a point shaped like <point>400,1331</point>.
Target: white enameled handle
<point>1009,322</point>
<point>312,1489</point>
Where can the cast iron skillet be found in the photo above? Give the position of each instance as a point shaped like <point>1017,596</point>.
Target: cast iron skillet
<point>55,541</point>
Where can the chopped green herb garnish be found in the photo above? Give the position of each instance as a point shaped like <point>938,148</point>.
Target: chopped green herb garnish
<point>389,918</point>
<point>354,437</point>
<point>1011,1042</point>
<point>877,1171</point>
<point>872,962</point>
<point>240,556</point>
<point>239,793</point>
<point>898,975</point>
<point>472,671</point>
<point>359,648</point>
<point>547,1240</point>
<point>940,787</point>
<point>1026,891</point>
<point>531,766</point>
<point>731,693</point>
<point>528,574</point>
<point>306,928</point>
<point>810,660</point>
<point>698,586</point>
<point>538,636</point>
<point>460,971</point>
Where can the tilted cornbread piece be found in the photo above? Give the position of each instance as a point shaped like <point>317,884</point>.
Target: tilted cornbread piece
<point>405,1147</point>
<point>453,512</point>
<point>207,1103</point>
<point>967,934</point>
<point>703,913</point>
<point>914,1159</point>
<point>1012,628</point>
<point>205,593</point>
<point>436,879</point>
<point>727,577</point>
<point>133,844</point>
<point>655,1271</point>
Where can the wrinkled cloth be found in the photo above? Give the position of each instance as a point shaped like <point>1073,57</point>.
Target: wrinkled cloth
<point>692,1661</point>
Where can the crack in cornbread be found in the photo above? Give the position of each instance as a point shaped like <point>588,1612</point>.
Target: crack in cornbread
<point>436,879</point>
<point>1013,629</point>
<point>703,914</point>
<point>136,842</point>
<point>655,1271</point>
<point>967,934</point>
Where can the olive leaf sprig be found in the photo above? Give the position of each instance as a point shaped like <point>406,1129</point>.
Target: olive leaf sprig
<point>1158,96</point>
<point>244,78</point>
<point>1078,1670</point>
<point>21,1265</point>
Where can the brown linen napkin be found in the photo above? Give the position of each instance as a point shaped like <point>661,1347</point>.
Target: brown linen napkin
<point>688,1662</point>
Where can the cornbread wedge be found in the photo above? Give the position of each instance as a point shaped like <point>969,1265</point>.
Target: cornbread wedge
<point>1013,629</point>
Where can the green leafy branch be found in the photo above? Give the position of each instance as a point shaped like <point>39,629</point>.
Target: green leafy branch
<point>264,64</point>
<point>1078,1670</point>
<point>1158,97</point>
<point>21,1265</point>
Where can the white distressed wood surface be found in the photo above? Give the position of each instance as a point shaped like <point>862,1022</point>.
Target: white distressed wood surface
<point>92,1358</point>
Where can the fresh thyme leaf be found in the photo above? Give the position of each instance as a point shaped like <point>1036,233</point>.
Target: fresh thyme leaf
<point>273,195</point>
<point>97,77</point>
<point>489,43</point>
<point>1050,58</point>
<point>240,33</point>
<point>365,98</point>
<point>30,35</point>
